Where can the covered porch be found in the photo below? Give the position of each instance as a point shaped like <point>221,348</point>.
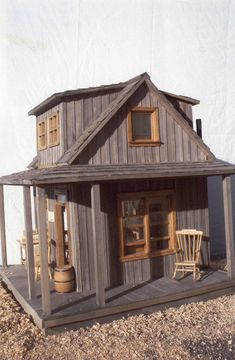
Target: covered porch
<point>73,310</point>
<point>50,309</point>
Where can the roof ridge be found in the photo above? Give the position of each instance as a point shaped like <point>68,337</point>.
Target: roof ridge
<point>103,118</point>
<point>58,96</point>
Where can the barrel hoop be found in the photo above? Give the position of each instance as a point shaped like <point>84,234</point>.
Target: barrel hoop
<point>63,282</point>
<point>63,270</point>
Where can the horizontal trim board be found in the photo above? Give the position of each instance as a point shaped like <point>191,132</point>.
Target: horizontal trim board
<point>53,322</point>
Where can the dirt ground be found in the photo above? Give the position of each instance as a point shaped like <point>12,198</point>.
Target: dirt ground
<point>205,330</point>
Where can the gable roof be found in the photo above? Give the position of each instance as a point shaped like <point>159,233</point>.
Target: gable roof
<point>105,116</point>
<point>131,86</point>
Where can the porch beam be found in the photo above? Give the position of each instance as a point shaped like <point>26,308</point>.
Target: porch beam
<point>228,220</point>
<point>3,229</point>
<point>98,244</point>
<point>29,242</point>
<point>44,273</point>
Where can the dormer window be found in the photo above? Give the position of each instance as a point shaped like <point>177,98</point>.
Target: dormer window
<point>143,126</point>
<point>53,130</point>
<point>42,135</point>
<point>48,133</point>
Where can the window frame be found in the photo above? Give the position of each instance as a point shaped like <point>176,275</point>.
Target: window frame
<point>41,134</point>
<point>47,132</point>
<point>53,129</point>
<point>155,132</point>
<point>147,253</point>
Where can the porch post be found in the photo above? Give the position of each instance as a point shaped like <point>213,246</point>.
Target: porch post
<point>3,229</point>
<point>42,226</point>
<point>228,220</point>
<point>98,244</point>
<point>29,242</point>
<point>35,207</point>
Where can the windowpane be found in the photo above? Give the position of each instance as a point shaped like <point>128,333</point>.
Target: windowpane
<point>133,234</point>
<point>158,217</point>
<point>141,126</point>
<point>133,221</point>
<point>134,250</point>
<point>157,231</point>
<point>158,204</point>
<point>132,207</point>
<point>160,245</point>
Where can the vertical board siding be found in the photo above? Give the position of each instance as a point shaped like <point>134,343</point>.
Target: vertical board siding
<point>191,212</point>
<point>75,116</point>
<point>111,146</point>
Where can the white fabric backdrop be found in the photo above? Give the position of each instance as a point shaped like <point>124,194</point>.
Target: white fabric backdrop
<point>187,47</point>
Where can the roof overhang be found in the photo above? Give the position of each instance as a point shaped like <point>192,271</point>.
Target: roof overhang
<point>59,97</point>
<point>104,173</point>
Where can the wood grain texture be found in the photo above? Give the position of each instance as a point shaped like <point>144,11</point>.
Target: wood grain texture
<point>229,232</point>
<point>3,228</point>
<point>74,230</point>
<point>42,225</point>
<point>29,242</point>
<point>111,145</point>
<point>98,244</point>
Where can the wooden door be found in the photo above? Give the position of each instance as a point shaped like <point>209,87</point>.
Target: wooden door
<point>63,243</point>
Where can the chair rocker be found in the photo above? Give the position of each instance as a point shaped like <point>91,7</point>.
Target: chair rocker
<point>188,252</point>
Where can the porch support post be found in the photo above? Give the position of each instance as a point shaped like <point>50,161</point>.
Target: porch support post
<point>228,219</point>
<point>35,207</point>
<point>42,226</point>
<point>98,244</point>
<point>29,242</point>
<point>3,229</point>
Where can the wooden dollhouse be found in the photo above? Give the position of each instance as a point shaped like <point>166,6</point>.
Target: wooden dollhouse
<point>119,168</point>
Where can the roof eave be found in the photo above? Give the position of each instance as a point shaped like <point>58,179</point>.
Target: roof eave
<point>183,98</point>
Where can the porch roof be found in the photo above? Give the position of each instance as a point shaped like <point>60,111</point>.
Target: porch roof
<point>92,173</point>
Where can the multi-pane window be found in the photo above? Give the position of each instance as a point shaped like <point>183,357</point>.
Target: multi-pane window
<point>143,126</point>
<point>42,135</point>
<point>48,132</point>
<point>53,130</point>
<point>146,224</point>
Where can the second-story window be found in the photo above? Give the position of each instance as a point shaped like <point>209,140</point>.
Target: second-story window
<point>53,130</point>
<point>143,126</point>
<point>48,132</point>
<point>42,135</point>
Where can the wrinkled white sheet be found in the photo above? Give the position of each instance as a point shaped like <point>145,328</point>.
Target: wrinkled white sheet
<point>187,46</point>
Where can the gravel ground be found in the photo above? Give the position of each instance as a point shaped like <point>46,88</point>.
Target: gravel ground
<point>205,330</point>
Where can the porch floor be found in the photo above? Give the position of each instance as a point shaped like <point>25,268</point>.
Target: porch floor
<point>81,308</point>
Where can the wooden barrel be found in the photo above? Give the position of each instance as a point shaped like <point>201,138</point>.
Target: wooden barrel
<point>64,279</point>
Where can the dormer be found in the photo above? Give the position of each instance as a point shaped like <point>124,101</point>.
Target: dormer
<point>125,123</point>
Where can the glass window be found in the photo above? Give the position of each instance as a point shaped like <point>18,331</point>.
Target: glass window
<point>143,126</point>
<point>146,224</point>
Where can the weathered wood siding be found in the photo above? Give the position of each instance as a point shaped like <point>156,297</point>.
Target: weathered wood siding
<point>111,145</point>
<point>184,109</point>
<point>80,112</point>
<point>191,212</point>
<point>75,115</point>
